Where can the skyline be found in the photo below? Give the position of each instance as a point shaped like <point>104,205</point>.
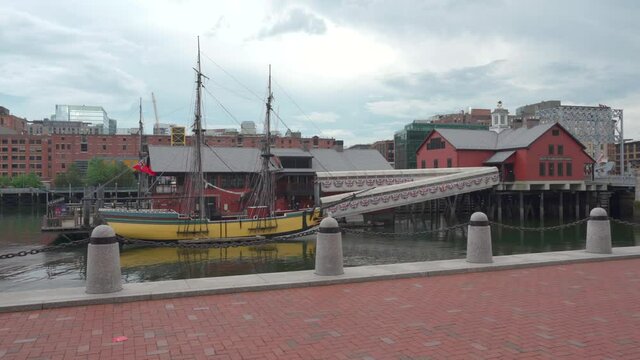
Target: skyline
<point>336,65</point>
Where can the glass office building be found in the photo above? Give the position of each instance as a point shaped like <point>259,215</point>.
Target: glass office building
<point>95,115</point>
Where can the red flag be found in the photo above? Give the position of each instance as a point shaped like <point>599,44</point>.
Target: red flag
<point>140,166</point>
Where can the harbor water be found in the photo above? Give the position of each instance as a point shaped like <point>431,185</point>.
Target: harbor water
<point>20,231</point>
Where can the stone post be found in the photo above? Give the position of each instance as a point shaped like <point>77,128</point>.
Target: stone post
<point>479,239</point>
<point>329,248</point>
<point>598,232</point>
<point>103,262</point>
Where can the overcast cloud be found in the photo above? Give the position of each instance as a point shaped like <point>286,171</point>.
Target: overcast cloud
<point>356,70</point>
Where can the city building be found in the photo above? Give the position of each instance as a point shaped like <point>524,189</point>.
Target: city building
<point>471,116</point>
<point>359,147</point>
<point>48,147</point>
<point>599,128</point>
<point>632,155</point>
<point>231,170</point>
<point>248,128</point>
<point>162,129</point>
<point>48,127</point>
<point>532,153</point>
<point>94,115</point>
<point>386,148</point>
<point>11,124</point>
<point>407,140</point>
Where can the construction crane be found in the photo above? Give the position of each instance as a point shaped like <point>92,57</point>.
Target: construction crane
<point>156,128</point>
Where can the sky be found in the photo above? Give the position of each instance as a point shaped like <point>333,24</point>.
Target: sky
<point>353,70</point>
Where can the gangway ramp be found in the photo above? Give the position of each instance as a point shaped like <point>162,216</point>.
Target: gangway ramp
<point>371,191</point>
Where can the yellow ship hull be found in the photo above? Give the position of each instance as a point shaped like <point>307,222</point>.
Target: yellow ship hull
<point>169,225</point>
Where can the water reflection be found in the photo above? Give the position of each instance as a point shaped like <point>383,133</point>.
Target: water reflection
<point>381,245</point>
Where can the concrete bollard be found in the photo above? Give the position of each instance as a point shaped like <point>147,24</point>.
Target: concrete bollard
<point>103,262</point>
<point>598,232</point>
<point>479,239</point>
<point>329,248</point>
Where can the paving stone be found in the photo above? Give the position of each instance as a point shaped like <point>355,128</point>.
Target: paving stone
<point>23,341</point>
<point>386,340</point>
<point>157,352</point>
<point>162,343</point>
<point>520,319</point>
<point>576,343</point>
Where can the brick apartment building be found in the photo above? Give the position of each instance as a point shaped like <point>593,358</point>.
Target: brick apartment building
<point>473,117</point>
<point>48,154</point>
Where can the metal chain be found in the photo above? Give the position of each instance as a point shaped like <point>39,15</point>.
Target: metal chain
<point>45,249</point>
<point>550,228</point>
<point>425,232</point>
<point>262,241</point>
<point>623,222</point>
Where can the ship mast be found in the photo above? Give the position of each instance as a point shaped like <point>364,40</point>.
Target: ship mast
<point>266,190</point>
<point>142,155</point>
<point>199,183</point>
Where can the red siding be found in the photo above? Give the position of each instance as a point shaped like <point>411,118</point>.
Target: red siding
<point>472,158</point>
<point>526,161</point>
<point>459,158</point>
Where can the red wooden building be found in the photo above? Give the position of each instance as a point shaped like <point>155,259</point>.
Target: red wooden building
<point>540,153</point>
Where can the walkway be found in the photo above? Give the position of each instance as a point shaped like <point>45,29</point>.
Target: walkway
<point>580,311</point>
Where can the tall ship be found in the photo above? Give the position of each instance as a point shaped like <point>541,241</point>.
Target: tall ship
<point>192,221</point>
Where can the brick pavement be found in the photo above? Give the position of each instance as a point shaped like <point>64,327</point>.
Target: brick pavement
<point>579,311</point>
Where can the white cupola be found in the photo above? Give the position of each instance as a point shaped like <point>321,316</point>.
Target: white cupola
<point>499,118</point>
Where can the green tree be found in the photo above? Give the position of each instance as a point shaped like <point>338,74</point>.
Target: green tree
<point>29,180</point>
<point>71,177</point>
<point>5,181</point>
<point>99,172</point>
<point>127,177</point>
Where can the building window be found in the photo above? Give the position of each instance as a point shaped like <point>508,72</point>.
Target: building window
<point>560,150</point>
<point>560,169</point>
<point>64,165</point>
<point>423,164</point>
<point>555,132</point>
<point>550,150</point>
<point>551,168</point>
<point>83,147</point>
<point>104,147</point>
<point>569,170</point>
<point>435,163</point>
<point>542,167</point>
<point>449,162</point>
<point>124,147</point>
<point>435,143</point>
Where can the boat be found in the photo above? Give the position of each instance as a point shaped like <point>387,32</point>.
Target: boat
<point>192,223</point>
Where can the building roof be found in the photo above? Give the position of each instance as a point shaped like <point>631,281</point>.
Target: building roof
<point>281,152</point>
<point>178,159</point>
<point>350,159</point>
<point>172,159</point>
<point>490,140</point>
<point>500,157</point>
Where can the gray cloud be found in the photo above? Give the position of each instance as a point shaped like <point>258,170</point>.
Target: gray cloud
<point>296,20</point>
